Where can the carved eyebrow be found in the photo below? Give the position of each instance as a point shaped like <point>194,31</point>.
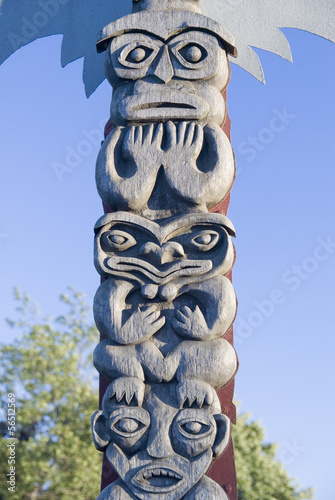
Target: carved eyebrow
<point>173,35</point>
<point>190,30</point>
<point>146,33</point>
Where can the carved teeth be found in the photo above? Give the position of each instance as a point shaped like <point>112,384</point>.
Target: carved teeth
<point>159,473</point>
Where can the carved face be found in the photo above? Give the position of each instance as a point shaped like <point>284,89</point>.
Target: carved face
<point>181,250</point>
<point>178,78</point>
<point>159,450</point>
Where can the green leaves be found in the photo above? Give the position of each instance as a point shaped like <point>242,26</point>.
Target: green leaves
<point>259,475</point>
<point>49,368</point>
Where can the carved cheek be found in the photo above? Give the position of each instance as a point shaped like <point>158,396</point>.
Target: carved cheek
<point>217,106</point>
<point>193,435</point>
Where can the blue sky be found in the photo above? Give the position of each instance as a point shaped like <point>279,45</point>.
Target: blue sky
<point>282,208</point>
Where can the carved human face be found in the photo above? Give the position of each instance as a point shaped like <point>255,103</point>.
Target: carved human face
<point>178,78</point>
<point>181,250</point>
<point>159,450</point>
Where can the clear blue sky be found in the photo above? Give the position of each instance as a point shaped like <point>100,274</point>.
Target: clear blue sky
<point>282,206</point>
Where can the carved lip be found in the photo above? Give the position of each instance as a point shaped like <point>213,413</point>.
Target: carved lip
<point>158,479</point>
<point>173,271</point>
<point>167,104</point>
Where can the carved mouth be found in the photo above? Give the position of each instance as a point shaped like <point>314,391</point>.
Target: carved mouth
<point>163,104</point>
<point>158,479</point>
<point>172,271</point>
<point>167,105</point>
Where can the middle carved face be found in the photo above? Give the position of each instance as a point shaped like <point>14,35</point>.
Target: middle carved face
<point>181,250</point>
<point>180,78</point>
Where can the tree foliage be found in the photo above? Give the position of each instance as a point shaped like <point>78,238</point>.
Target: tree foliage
<point>259,475</point>
<point>49,369</point>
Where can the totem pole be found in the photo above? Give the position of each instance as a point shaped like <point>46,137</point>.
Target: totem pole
<point>163,252</point>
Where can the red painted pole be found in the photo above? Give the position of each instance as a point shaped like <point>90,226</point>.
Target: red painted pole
<point>223,470</point>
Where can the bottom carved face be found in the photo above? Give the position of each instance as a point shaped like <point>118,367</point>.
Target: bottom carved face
<point>159,450</point>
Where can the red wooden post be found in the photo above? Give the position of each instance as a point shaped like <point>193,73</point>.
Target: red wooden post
<point>223,469</point>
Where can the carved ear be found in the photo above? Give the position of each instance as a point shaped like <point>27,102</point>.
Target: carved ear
<point>222,434</point>
<point>100,434</point>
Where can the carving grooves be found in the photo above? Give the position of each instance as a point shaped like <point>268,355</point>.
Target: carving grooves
<point>165,304</point>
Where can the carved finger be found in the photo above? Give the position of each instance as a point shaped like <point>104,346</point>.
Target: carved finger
<point>181,131</point>
<point>200,400</point>
<point>147,135</point>
<point>198,139</point>
<point>181,328</point>
<point>138,135</point>
<point>128,395</point>
<point>152,316</point>
<point>189,135</point>
<point>119,394</point>
<point>158,135</point>
<point>197,311</point>
<point>209,398</point>
<point>181,391</point>
<point>155,326</point>
<point>128,143</point>
<point>171,134</point>
<point>159,323</point>
<point>187,311</point>
<point>146,310</point>
<point>180,316</point>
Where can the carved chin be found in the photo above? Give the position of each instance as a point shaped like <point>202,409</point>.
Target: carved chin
<point>163,105</point>
<point>158,479</point>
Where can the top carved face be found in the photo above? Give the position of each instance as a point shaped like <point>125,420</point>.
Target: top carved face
<point>178,78</point>
<point>159,450</point>
<point>181,250</point>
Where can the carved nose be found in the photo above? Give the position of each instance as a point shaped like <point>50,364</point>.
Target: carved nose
<point>159,445</point>
<point>164,68</point>
<point>168,252</point>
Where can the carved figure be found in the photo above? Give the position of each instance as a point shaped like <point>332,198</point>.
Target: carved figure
<point>166,168</point>
<point>165,304</point>
<point>169,65</point>
<point>164,295</point>
<point>160,450</point>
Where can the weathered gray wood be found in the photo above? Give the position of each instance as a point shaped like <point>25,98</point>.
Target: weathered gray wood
<point>166,303</point>
<point>160,449</point>
<point>196,167</point>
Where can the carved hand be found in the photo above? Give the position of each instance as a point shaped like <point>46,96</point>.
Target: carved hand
<point>191,324</point>
<point>184,143</point>
<point>127,166</point>
<point>141,325</point>
<point>201,179</point>
<point>142,144</point>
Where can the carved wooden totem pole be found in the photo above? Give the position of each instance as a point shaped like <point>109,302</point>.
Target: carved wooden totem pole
<point>165,303</point>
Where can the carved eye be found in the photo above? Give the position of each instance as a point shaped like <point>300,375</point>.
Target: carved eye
<point>193,53</point>
<point>129,422</point>
<point>205,240</point>
<point>117,240</point>
<point>128,425</point>
<point>194,428</point>
<point>138,55</point>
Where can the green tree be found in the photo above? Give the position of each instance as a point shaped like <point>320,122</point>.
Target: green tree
<point>49,369</point>
<point>259,475</point>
